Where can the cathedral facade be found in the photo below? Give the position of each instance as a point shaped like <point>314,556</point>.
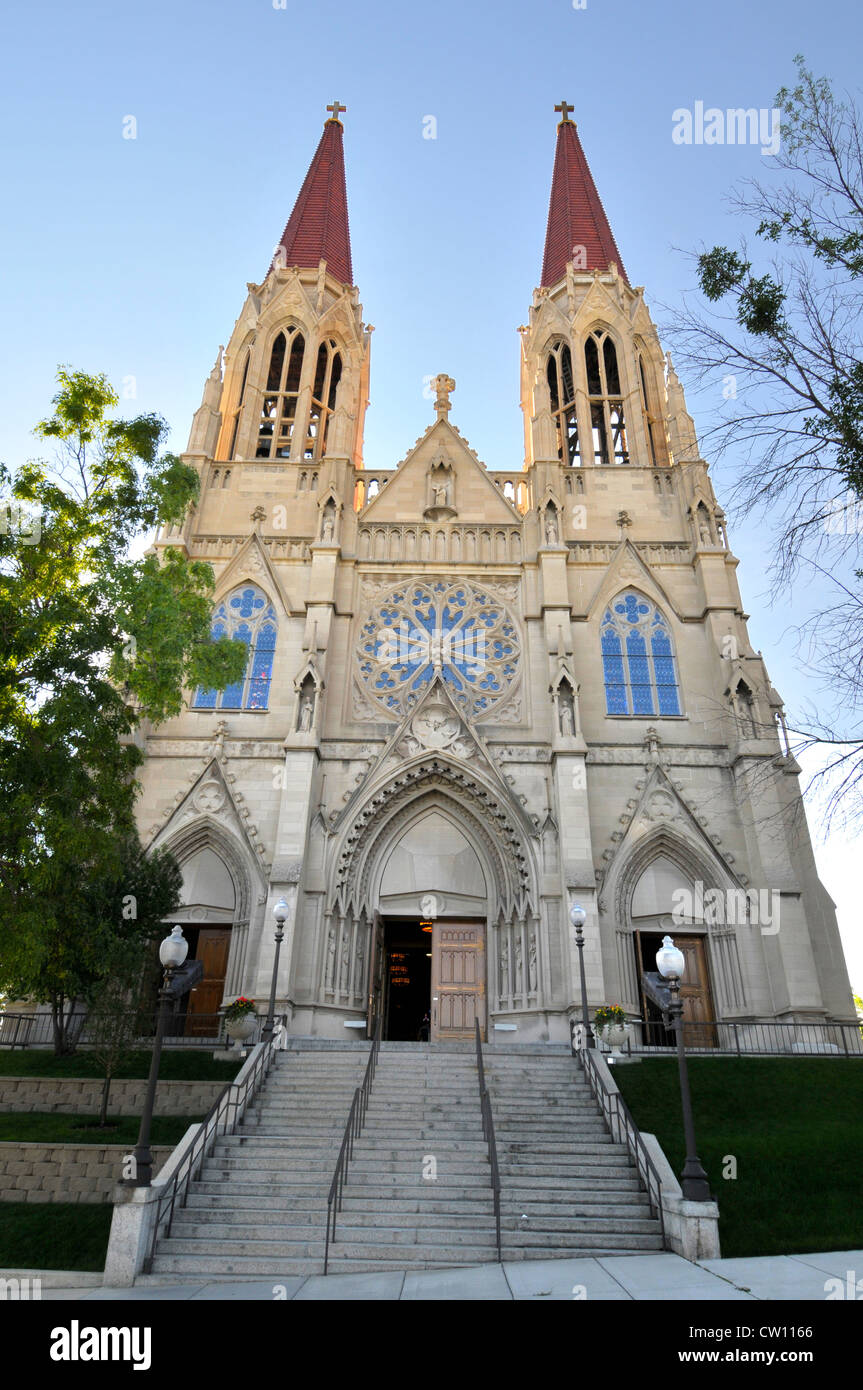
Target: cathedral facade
<point>474,698</point>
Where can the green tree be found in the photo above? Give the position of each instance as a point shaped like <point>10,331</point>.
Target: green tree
<point>93,641</point>
<point>779,327</point>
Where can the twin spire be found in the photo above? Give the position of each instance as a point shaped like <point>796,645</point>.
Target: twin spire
<point>317,228</point>
<point>578,229</point>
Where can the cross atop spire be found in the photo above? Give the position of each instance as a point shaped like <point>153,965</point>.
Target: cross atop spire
<point>317,229</point>
<point>578,229</point>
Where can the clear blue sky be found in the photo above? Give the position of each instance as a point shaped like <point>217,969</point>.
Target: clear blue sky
<point>132,256</point>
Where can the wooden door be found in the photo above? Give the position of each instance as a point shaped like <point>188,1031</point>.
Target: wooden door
<point>695,995</point>
<point>212,949</point>
<point>458,980</point>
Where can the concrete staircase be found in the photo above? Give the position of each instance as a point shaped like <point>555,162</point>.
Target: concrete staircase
<point>419,1193</point>
<point>566,1189</point>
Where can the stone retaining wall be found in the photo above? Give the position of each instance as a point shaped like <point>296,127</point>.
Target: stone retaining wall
<point>65,1172</point>
<point>84,1097</point>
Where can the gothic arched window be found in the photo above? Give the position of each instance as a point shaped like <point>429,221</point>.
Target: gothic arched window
<point>562,392</point>
<point>247,616</point>
<point>279,411</point>
<point>606,399</point>
<point>328,372</point>
<point>638,659</point>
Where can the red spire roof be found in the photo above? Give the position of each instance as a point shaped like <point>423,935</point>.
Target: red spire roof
<point>576,216</point>
<point>317,228</point>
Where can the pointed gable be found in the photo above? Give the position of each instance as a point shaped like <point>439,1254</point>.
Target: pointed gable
<point>576,216</point>
<point>475,498</point>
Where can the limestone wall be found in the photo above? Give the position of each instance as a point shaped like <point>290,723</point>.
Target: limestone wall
<point>84,1097</point>
<point>65,1172</point>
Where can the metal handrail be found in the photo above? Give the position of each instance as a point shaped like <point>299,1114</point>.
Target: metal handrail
<point>353,1129</point>
<point>622,1127</point>
<point>488,1133</point>
<point>224,1115</point>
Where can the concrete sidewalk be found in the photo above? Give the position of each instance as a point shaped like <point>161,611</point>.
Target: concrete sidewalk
<point>625,1278</point>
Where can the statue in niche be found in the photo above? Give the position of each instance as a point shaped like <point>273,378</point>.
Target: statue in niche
<point>551,528</point>
<point>346,960</point>
<point>504,966</point>
<point>704,532</point>
<point>331,958</point>
<point>531,964</point>
<point>518,979</point>
<point>307,712</point>
<point>567,717</point>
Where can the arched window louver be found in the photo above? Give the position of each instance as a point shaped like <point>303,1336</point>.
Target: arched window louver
<point>247,616</point>
<point>638,659</point>
<point>606,399</point>
<point>279,410</point>
<point>562,392</point>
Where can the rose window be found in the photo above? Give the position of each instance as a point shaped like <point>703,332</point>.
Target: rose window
<point>458,631</point>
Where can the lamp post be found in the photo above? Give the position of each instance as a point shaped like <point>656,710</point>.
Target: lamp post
<point>172,953</point>
<point>670,963</point>
<point>281,912</point>
<point>578,917</point>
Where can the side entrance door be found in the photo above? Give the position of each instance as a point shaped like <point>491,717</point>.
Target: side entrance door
<point>695,993</point>
<point>458,980</point>
<point>211,949</point>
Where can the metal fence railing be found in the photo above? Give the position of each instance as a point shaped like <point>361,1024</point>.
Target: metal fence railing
<point>181,1030</point>
<point>353,1129</point>
<point>223,1117</point>
<point>767,1039</point>
<point>623,1129</point>
<point>488,1133</point>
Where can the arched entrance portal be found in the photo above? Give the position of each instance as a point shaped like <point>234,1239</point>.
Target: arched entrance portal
<point>437,844</point>
<point>433,915</point>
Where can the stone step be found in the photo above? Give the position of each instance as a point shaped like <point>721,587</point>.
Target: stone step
<point>403,1228</point>
<point>421,1201</point>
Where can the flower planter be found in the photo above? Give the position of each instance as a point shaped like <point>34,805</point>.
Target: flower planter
<point>612,1037</point>
<point>241,1029</point>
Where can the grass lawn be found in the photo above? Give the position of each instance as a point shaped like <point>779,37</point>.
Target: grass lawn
<point>54,1235</point>
<point>796,1130</point>
<point>28,1127</point>
<point>190,1064</point>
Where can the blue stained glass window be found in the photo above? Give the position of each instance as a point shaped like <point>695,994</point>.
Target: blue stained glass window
<point>245,616</point>
<point>638,659</point>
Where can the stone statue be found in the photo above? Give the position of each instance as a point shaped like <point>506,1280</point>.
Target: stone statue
<point>566,721</point>
<point>331,958</point>
<point>307,713</point>
<point>504,966</point>
<point>531,964</point>
<point>704,532</point>
<point>328,528</point>
<point>551,529</point>
<point>346,960</point>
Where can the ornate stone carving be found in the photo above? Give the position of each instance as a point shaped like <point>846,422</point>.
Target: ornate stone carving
<point>436,728</point>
